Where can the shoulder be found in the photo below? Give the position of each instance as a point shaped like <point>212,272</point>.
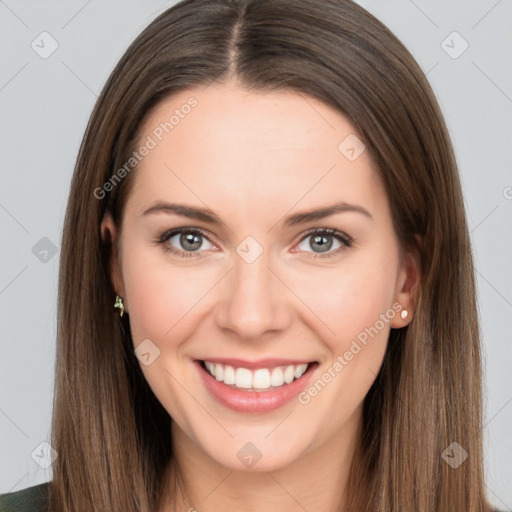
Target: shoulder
<point>31,499</point>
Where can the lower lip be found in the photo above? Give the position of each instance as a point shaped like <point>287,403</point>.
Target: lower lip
<point>254,401</point>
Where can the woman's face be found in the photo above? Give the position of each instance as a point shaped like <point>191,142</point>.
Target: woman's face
<point>252,283</point>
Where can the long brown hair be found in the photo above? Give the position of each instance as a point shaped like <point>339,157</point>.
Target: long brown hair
<point>111,433</point>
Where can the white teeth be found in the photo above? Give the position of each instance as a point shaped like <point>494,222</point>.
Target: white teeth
<point>289,374</point>
<point>262,378</point>
<point>277,378</point>
<point>300,369</point>
<point>219,372</point>
<point>243,378</point>
<point>229,375</point>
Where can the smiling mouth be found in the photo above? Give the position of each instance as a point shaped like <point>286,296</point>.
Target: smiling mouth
<point>255,380</point>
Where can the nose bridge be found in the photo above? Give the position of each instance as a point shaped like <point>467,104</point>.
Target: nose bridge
<point>255,301</point>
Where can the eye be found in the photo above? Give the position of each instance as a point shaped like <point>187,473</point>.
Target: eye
<point>321,241</point>
<point>189,242</point>
<point>184,242</point>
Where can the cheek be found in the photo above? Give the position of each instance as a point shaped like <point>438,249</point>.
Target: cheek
<point>160,293</point>
<point>352,296</point>
<point>355,303</point>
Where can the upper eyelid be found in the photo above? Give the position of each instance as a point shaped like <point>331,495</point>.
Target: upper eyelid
<point>170,233</point>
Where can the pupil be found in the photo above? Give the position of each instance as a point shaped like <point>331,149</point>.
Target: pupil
<point>192,239</point>
<point>325,243</point>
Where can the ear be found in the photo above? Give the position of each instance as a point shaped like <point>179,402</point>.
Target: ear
<point>407,284</point>
<point>110,237</point>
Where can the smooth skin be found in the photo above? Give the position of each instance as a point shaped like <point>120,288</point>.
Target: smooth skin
<point>253,159</point>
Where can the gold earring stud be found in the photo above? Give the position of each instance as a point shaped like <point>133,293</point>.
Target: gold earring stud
<point>119,304</point>
<point>404,314</point>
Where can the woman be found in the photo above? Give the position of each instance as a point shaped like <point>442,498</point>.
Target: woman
<point>266,293</point>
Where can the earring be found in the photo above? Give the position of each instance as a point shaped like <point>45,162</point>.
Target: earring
<point>404,314</point>
<point>119,304</point>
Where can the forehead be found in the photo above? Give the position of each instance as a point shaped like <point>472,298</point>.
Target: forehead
<point>238,147</point>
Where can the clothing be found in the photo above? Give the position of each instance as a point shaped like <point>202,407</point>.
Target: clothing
<point>31,499</point>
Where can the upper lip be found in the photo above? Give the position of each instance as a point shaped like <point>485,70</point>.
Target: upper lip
<point>262,363</point>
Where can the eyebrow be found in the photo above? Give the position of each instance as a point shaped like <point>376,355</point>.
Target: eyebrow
<point>206,215</point>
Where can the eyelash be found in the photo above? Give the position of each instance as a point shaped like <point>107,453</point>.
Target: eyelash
<point>346,240</point>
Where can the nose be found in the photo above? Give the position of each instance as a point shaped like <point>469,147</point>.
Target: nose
<point>255,300</point>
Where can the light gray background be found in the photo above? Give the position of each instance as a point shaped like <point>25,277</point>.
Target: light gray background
<point>45,105</point>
